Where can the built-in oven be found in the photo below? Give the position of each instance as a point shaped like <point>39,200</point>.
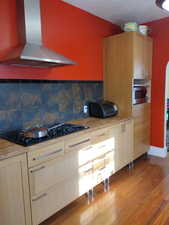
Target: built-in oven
<point>139,94</point>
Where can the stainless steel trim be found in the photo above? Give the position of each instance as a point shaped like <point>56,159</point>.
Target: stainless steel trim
<point>101,170</point>
<point>101,135</point>
<point>87,149</point>
<point>48,154</point>
<point>41,196</point>
<point>99,159</point>
<point>31,52</point>
<point>109,153</point>
<point>33,21</point>
<point>103,146</point>
<point>82,142</point>
<point>37,169</point>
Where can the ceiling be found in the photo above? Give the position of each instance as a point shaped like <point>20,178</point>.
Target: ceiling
<point>120,11</point>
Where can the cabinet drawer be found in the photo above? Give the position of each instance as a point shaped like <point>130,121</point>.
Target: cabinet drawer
<point>85,155</point>
<point>54,199</point>
<point>52,172</point>
<point>78,143</point>
<point>99,163</point>
<point>100,149</point>
<point>100,135</point>
<point>85,170</point>
<point>47,153</point>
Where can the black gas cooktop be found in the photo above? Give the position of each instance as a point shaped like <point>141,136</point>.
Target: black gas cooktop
<point>19,138</point>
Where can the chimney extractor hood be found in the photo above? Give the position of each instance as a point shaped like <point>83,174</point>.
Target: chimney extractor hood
<point>32,52</point>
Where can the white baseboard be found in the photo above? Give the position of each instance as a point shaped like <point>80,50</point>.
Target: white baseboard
<point>159,152</point>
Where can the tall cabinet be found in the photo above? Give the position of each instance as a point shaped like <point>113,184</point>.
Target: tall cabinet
<point>127,59</point>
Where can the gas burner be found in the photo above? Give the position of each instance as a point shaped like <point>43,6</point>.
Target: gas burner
<point>19,138</point>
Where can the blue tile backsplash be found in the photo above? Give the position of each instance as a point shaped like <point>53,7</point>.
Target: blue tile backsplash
<point>26,104</point>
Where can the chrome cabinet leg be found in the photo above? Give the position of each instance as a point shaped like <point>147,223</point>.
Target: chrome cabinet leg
<point>131,165</point>
<point>90,196</point>
<point>106,183</point>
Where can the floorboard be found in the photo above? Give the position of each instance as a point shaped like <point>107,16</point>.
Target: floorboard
<point>137,197</point>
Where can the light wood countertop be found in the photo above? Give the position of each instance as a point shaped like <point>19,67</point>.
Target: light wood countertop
<point>9,149</point>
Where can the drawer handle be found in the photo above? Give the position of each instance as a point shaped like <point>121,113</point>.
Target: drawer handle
<point>98,160</point>
<point>101,135</point>
<point>103,146</point>
<point>102,157</point>
<point>48,154</point>
<point>101,170</point>
<point>37,169</point>
<point>110,152</point>
<point>41,196</point>
<point>87,172</point>
<point>82,142</point>
<point>87,149</point>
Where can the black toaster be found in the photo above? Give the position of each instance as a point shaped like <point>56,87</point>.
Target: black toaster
<point>102,109</point>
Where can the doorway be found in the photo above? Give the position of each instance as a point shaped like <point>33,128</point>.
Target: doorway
<point>166,111</point>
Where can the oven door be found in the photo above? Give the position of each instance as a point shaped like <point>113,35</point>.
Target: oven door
<point>139,95</point>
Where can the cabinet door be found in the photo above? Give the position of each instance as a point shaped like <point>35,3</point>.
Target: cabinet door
<point>125,149</point>
<point>14,192</point>
<point>141,114</point>
<point>148,51</point>
<point>127,142</point>
<point>138,56</point>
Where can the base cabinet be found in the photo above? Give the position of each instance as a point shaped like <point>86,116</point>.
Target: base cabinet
<point>141,114</point>
<point>54,199</point>
<point>125,145</point>
<point>14,192</point>
<point>88,161</point>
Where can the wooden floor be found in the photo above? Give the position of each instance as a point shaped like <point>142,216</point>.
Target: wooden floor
<point>137,197</point>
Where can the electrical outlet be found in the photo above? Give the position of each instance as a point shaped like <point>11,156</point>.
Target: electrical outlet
<point>85,109</point>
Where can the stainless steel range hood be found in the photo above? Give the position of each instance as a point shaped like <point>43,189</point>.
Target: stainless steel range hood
<point>31,52</point>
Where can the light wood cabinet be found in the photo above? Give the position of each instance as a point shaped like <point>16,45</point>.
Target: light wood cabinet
<point>57,182</point>
<point>148,55</point>
<point>46,152</point>
<point>127,59</point>
<point>87,161</point>
<point>54,199</point>
<point>127,56</point>
<point>53,190</point>
<point>14,192</point>
<point>142,56</point>
<point>125,146</point>
<point>138,56</point>
<point>141,114</point>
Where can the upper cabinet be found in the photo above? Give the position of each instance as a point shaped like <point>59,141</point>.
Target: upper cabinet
<point>130,54</point>
<point>142,56</point>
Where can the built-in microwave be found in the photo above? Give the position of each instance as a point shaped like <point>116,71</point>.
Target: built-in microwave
<point>139,94</point>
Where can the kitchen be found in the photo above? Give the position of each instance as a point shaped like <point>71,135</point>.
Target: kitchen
<point>32,97</point>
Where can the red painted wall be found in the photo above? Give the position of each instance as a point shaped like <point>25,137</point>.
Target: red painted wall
<point>160,35</point>
<point>67,30</point>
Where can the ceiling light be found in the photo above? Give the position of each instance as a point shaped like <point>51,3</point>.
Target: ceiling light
<point>163,4</point>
